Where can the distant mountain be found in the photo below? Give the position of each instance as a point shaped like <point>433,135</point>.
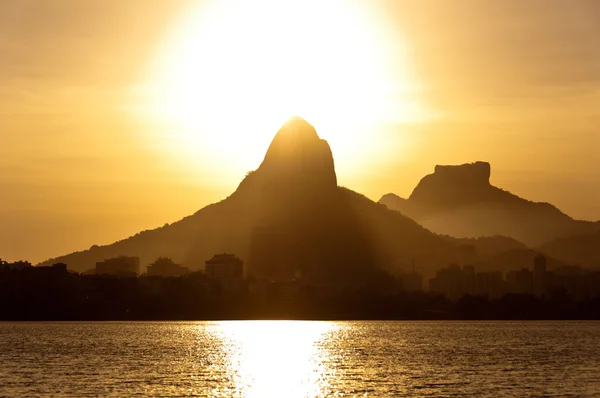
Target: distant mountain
<point>489,245</point>
<point>578,249</point>
<point>290,219</point>
<point>460,201</point>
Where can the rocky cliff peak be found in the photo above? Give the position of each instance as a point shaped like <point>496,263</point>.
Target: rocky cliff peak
<point>455,185</point>
<point>472,173</point>
<point>298,157</point>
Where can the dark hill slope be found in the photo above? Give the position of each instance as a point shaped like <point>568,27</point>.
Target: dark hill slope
<point>578,249</point>
<point>289,219</point>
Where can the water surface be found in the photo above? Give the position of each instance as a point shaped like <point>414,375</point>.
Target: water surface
<point>300,359</point>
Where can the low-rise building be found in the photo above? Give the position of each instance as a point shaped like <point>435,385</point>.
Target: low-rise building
<point>540,277</point>
<point>17,265</point>
<point>225,270</point>
<point>412,282</point>
<point>519,282</point>
<point>455,282</point>
<point>449,281</point>
<point>166,267</point>
<point>119,266</point>
<point>489,284</point>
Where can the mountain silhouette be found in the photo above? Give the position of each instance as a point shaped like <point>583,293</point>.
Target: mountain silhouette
<point>578,249</point>
<point>460,201</point>
<point>290,219</point>
<point>489,245</point>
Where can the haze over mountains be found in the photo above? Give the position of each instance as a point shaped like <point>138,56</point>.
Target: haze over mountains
<point>290,219</point>
<point>578,249</point>
<point>460,201</point>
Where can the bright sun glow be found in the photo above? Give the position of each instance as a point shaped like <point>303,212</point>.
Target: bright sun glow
<point>233,71</point>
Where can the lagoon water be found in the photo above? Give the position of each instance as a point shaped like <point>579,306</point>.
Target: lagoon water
<point>300,359</point>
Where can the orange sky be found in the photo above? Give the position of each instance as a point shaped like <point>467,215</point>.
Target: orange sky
<point>515,83</point>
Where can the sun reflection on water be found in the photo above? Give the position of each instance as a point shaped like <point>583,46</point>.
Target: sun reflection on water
<point>276,358</point>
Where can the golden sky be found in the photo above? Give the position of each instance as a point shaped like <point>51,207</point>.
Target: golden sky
<point>118,116</point>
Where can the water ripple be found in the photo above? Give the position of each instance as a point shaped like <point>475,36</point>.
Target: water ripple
<point>300,359</point>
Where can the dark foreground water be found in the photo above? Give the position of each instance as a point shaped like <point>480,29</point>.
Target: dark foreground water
<point>300,359</point>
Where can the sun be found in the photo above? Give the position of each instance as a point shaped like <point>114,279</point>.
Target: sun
<point>231,72</point>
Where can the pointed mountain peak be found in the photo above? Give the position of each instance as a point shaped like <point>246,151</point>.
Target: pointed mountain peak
<point>294,135</point>
<point>298,157</point>
<point>297,128</point>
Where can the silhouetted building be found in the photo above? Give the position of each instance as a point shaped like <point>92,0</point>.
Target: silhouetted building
<point>449,281</point>
<point>58,269</point>
<point>519,282</point>
<point>455,282</point>
<point>119,266</point>
<point>490,284</point>
<point>226,270</point>
<point>572,280</point>
<point>167,268</point>
<point>412,282</point>
<point>17,265</point>
<point>539,275</point>
<point>470,279</point>
<point>593,284</point>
